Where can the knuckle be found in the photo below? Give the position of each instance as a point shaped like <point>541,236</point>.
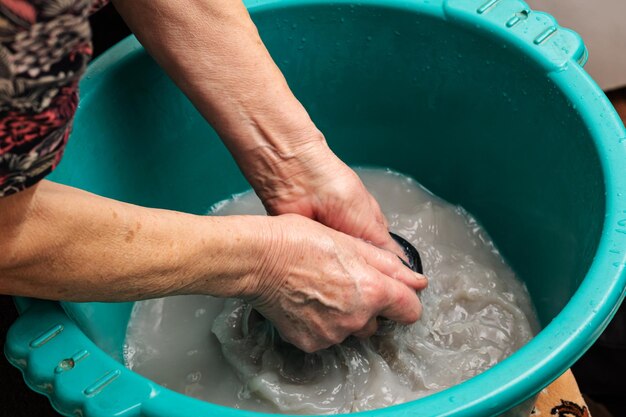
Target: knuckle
<point>368,330</point>
<point>418,311</point>
<point>405,303</point>
<point>362,321</point>
<point>336,340</point>
<point>412,315</point>
<point>413,309</point>
<point>373,296</point>
<point>345,324</point>
<point>356,324</point>
<point>308,346</point>
<point>337,336</point>
<point>380,300</point>
<point>331,337</point>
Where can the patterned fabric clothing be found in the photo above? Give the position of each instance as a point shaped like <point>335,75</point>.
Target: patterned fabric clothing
<point>45,46</point>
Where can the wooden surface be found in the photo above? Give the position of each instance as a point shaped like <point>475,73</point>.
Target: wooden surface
<point>561,398</point>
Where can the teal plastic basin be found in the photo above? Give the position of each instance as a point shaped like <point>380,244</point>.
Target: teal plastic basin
<point>484,102</point>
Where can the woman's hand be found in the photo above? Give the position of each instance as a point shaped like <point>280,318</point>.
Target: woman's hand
<point>316,184</point>
<point>319,286</point>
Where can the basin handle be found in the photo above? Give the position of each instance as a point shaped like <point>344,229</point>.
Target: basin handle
<point>59,361</point>
<point>512,21</point>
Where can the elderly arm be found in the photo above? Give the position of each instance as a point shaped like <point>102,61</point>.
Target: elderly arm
<point>212,50</point>
<point>59,242</point>
<point>317,285</point>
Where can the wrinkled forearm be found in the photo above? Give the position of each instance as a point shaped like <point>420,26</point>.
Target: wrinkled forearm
<point>59,242</point>
<point>213,52</point>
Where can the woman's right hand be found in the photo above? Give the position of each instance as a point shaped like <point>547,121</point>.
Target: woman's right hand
<point>319,286</point>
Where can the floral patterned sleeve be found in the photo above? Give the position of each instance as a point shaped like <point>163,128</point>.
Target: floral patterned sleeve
<point>44,48</point>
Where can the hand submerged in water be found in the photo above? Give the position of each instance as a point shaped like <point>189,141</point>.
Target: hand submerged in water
<point>319,286</point>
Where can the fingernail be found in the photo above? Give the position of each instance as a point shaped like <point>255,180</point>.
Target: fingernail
<point>419,276</point>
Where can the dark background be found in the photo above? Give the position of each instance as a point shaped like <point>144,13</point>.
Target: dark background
<point>601,373</point>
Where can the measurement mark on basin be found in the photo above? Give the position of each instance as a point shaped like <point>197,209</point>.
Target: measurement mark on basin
<point>487,6</point>
<point>46,336</point>
<point>99,385</point>
<point>545,35</point>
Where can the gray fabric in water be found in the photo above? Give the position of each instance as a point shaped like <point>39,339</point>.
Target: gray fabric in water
<point>475,314</point>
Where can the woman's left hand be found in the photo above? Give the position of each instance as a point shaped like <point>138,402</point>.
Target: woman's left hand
<point>316,184</point>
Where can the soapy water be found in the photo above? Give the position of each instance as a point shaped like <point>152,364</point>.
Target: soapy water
<point>475,314</point>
